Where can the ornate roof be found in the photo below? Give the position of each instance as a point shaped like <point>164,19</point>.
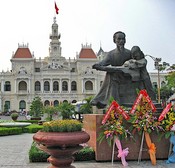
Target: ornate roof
<point>22,52</point>
<point>87,52</point>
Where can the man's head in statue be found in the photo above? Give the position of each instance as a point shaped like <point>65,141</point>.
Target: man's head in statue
<point>119,39</point>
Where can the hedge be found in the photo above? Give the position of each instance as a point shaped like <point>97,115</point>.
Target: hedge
<point>33,128</point>
<point>37,155</point>
<point>10,131</point>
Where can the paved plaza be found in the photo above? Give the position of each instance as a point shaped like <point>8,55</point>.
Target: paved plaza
<point>14,154</point>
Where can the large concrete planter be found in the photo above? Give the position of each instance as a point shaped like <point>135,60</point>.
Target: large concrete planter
<point>61,146</point>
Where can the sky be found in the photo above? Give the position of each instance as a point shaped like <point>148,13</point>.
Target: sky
<point>150,24</point>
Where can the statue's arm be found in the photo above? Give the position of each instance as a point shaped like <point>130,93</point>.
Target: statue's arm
<point>102,64</point>
<point>141,63</point>
<point>138,64</point>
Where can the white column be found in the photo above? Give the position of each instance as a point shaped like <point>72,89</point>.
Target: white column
<point>0,103</point>
<point>82,83</point>
<point>51,86</point>
<point>69,86</point>
<point>60,85</point>
<point>15,85</point>
<point>2,86</point>
<point>29,86</point>
<point>42,85</point>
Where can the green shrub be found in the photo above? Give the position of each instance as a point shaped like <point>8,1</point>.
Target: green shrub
<point>33,128</point>
<point>10,131</point>
<point>37,155</point>
<point>67,125</point>
<point>85,154</point>
<point>14,115</point>
<point>29,121</point>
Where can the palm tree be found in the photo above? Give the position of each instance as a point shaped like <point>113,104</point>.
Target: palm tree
<point>86,108</point>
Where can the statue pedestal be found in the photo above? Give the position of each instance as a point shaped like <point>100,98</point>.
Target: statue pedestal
<point>103,152</point>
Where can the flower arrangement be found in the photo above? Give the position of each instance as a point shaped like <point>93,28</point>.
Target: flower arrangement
<point>114,127</point>
<point>68,125</point>
<point>143,119</point>
<point>168,121</point>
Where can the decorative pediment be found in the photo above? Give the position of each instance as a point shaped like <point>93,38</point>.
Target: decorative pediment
<point>56,66</point>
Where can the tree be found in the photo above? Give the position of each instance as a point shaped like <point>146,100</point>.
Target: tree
<point>50,110</point>
<point>67,110</point>
<point>168,90</point>
<point>5,108</point>
<point>165,92</point>
<point>170,78</point>
<point>87,107</point>
<point>36,107</point>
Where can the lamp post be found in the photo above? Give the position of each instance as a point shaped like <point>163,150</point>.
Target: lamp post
<point>157,67</point>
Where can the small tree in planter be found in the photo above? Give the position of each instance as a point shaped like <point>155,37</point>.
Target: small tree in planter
<point>36,108</point>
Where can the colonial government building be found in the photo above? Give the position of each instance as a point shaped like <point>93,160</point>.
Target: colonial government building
<point>55,79</point>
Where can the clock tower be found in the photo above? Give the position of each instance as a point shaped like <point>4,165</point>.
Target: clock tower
<point>55,44</point>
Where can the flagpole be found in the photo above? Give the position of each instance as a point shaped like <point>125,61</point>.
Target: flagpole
<point>54,8</point>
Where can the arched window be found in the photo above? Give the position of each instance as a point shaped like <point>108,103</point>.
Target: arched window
<point>46,103</point>
<point>65,101</point>
<point>101,82</point>
<point>46,86</point>
<point>88,85</point>
<point>22,105</point>
<point>56,103</point>
<point>74,101</point>
<point>64,86</point>
<point>73,86</point>
<point>22,85</point>
<point>7,106</point>
<point>7,86</point>
<point>55,86</point>
<point>163,83</point>
<point>155,85</point>
<point>37,86</point>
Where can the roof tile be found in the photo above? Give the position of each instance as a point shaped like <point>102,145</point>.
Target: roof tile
<point>87,53</point>
<point>23,53</point>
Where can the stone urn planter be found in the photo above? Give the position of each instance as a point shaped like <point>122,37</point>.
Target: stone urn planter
<point>61,146</point>
<point>14,116</point>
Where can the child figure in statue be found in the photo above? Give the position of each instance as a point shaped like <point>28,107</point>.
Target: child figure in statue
<point>140,62</point>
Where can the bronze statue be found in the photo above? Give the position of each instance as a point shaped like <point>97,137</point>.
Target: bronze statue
<point>121,82</point>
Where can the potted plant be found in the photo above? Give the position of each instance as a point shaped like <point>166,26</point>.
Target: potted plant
<point>14,116</point>
<point>61,139</point>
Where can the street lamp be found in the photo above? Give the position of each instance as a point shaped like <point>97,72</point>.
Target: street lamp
<point>157,67</point>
